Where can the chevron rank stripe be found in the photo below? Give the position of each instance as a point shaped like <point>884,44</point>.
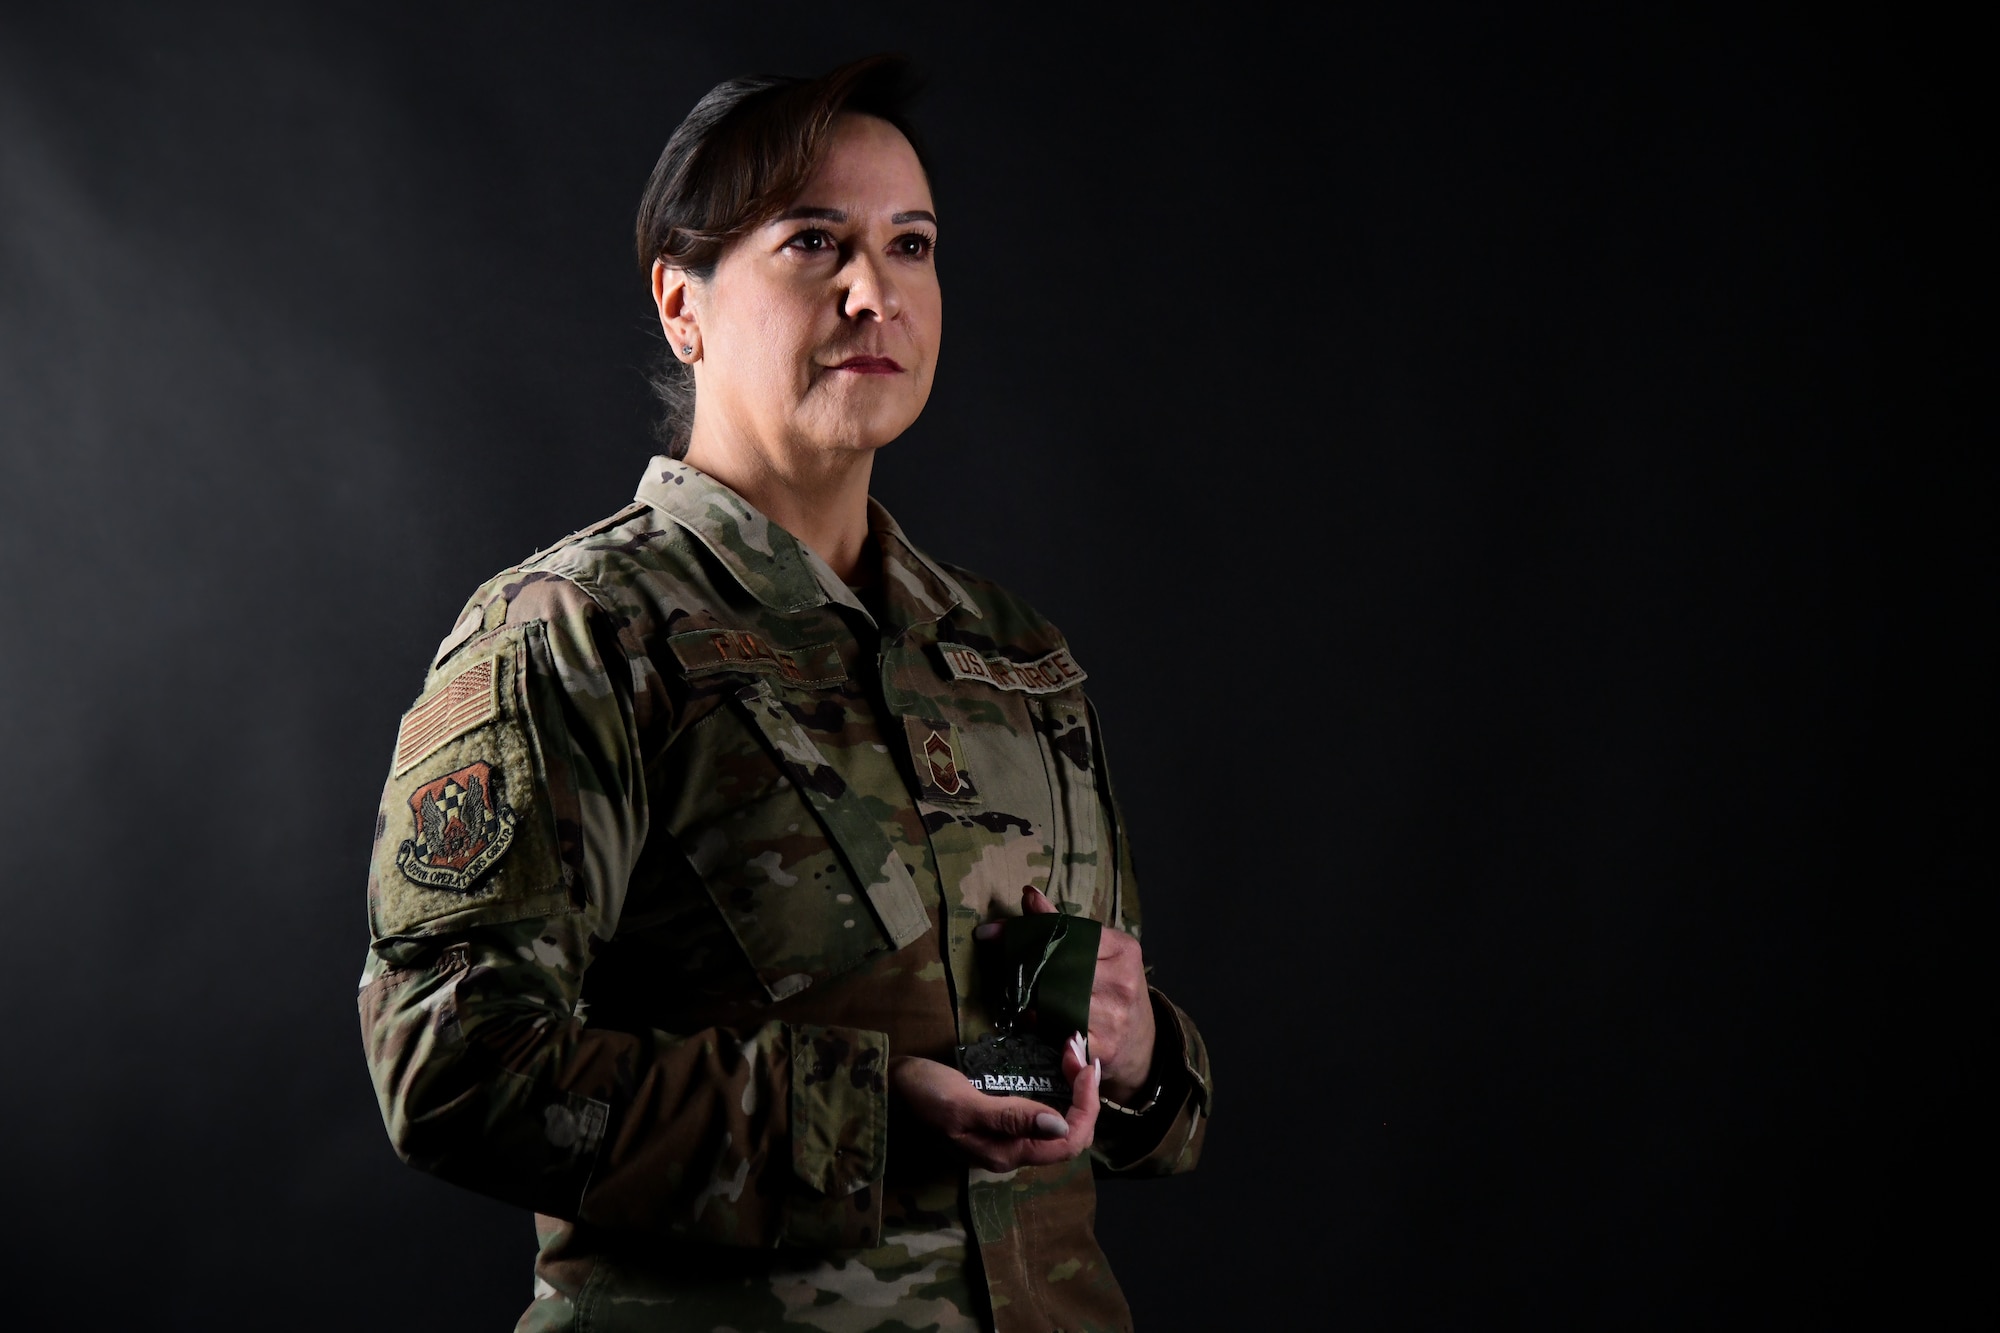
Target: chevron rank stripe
<point>467,700</point>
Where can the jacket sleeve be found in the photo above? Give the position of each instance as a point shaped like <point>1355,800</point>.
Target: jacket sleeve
<point>1164,1135</point>
<point>487,1067</point>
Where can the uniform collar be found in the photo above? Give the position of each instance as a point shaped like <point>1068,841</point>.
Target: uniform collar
<point>919,588</point>
<point>769,562</point>
<point>777,568</point>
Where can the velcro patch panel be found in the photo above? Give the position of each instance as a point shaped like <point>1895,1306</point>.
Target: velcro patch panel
<point>465,701</point>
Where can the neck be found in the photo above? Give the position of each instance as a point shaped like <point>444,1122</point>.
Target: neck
<point>820,497</point>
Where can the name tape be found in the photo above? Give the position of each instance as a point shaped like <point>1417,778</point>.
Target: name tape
<point>1044,675</point>
<point>717,649</point>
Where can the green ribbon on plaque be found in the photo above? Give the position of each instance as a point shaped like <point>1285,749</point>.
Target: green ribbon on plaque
<point>1047,965</point>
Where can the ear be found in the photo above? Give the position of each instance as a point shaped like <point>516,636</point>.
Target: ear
<point>673,292</point>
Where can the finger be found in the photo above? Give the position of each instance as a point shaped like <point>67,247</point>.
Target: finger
<point>1036,903</point>
<point>989,931</point>
<point>1101,1046</point>
<point>1013,1118</point>
<point>998,1161</point>
<point>1084,1092</point>
<point>1082,1120</point>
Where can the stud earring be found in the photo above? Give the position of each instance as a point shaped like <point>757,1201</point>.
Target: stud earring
<point>687,349</point>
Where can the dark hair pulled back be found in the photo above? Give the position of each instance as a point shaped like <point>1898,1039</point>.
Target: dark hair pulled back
<point>742,155</point>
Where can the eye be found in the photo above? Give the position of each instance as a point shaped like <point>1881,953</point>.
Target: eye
<point>813,241</point>
<point>913,245</point>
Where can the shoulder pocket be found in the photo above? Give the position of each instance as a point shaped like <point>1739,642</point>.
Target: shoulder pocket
<point>465,832</point>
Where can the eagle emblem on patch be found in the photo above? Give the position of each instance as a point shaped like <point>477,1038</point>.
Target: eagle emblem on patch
<point>461,828</point>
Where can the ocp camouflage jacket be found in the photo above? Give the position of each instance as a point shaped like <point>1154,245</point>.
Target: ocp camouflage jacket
<point>679,844</point>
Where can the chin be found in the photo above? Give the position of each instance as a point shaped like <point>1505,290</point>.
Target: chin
<point>863,432</point>
<point>871,404</point>
<point>864,441</point>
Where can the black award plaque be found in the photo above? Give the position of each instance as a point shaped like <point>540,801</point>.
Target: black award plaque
<point>1046,965</point>
<point>1016,1064</point>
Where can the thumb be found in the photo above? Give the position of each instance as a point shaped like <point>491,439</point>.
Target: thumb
<point>1035,903</point>
<point>1020,1118</point>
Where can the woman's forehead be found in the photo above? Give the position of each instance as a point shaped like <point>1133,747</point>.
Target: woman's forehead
<point>869,170</point>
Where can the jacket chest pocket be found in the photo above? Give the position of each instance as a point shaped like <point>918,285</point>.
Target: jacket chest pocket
<point>798,865</point>
<point>1018,774</point>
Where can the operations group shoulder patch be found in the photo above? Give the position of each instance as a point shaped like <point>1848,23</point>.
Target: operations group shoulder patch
<point>461,826</point>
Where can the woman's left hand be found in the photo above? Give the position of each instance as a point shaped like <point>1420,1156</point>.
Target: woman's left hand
<point>1121,1008</point>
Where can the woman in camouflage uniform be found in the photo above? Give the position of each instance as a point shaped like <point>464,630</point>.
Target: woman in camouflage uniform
<point>695,840</point>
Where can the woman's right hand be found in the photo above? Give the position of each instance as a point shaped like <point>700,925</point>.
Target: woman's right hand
<point>1001,1133</point>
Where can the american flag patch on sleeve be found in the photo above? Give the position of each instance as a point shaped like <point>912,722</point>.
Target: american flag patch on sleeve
<point>465,701</point>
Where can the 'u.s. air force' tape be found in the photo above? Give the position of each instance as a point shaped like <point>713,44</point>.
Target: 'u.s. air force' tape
<point>1044,675</point>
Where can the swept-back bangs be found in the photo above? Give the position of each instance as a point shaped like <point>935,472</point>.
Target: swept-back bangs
<point>748,148</point>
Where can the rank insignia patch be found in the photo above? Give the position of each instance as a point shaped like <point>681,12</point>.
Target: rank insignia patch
<point>937,752</point>
<point>462,827</point>
<point>944,768</point>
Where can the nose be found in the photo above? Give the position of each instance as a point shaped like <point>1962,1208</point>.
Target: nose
<point>868,289</point>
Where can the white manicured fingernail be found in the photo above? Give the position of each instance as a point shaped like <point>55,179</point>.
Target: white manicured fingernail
<point>1076,1044</point>
<point>1048,1122</point>
<point>1097,1068</point>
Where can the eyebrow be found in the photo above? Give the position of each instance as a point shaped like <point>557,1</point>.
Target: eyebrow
<point>840,215</point>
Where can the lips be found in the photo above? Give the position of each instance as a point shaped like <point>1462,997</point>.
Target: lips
<point>869,365</point>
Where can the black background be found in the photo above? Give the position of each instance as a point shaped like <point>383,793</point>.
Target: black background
<point>1512,482</point>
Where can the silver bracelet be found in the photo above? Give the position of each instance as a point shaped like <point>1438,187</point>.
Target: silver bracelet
<point>1152,1100</point>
